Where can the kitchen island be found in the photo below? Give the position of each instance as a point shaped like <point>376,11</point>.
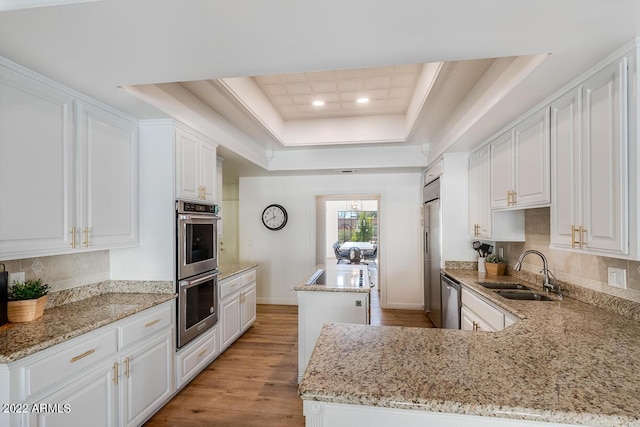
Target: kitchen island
<point>333,294</point>
<point>564,362</point>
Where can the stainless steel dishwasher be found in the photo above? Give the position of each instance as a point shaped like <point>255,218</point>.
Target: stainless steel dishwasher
<point>451,302</point>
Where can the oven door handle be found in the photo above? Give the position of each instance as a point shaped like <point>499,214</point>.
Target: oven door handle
<point>205,217</point>
<point>191,283</point>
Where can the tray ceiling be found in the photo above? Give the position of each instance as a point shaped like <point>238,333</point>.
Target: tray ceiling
<point>388,90</point>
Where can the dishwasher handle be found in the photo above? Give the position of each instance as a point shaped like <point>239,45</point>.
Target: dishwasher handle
<point>450,281</point>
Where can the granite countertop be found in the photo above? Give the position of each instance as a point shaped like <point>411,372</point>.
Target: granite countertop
<point>227,270</point>
<point>564,361</point>
<point>338,279</point>
<point>59,324</point>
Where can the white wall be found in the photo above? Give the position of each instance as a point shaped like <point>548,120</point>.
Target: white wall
<point>287,257</point>
<point>154,258</point>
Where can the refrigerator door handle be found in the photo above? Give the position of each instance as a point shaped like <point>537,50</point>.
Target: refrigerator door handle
<point>426,243</point>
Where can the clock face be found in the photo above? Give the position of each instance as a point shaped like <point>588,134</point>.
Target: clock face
<point>274,217</point>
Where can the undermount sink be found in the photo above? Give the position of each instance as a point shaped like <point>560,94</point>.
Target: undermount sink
<point>532,296</point>
<point>497,285</point>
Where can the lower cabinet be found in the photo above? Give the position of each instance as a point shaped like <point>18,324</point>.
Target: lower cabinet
<point>196,356</point>
<point>118,375</point>
<point>147,379</point>
<point>237,306</point>
<point>479,314</point>
<point>92,397</point>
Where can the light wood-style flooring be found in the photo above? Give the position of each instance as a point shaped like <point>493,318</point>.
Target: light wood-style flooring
<point>254,382</point>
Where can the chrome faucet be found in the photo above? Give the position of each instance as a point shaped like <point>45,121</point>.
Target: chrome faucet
<point>547,285</point>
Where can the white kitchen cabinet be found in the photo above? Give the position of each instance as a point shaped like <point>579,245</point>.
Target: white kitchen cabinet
<point>70,171</point>
<point>479,314</point>
<point>237,306</point>
<point>520,164</point>
<point>590,165</point>
<point>247,306</point>
<point>485,223</point>
<point>92,397</point>
<point>195,167</point>
<point>108,179</point>
<point>230,320</point>
<point>479,194</point>
<point>196,355</point>
<point>37,152</point>
<point>147,378</point>
<point>117,375</point>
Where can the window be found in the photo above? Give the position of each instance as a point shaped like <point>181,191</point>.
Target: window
<point>357,226</point>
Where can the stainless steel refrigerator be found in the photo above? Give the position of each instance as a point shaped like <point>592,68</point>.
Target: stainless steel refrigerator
<point>432,252</point>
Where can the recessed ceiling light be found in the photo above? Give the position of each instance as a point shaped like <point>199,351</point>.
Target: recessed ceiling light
<point>362,100</point>
<point>318,103</point>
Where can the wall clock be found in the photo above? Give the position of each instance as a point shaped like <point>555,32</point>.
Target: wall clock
<point>274,217</point>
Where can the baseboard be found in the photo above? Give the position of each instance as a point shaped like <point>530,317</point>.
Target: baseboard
<point>403,306</point>
<point>277,301</point>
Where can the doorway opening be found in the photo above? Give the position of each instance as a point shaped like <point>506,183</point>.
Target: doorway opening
<point>350,221</point>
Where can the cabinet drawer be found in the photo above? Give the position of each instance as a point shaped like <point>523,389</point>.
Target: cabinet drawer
<point>248,278</point>
<point>228,288</point>
<point>145,325</point>
<point>193,360</point>
<point>492,316</point>
<point>67,363</point>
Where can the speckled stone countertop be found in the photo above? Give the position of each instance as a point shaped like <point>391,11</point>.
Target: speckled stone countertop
<point>59,324</point>
<point>338,282</point>
<point>564,361</point>
<point>227,270</point>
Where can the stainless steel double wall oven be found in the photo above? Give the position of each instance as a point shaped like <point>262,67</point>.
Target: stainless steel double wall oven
<point>197,268</point>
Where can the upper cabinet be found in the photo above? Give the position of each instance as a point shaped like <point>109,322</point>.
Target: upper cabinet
<point>195,167</point>
<point>590,165</point>
<point>479,209</point>
<point>69,171</point>
<point>107,178</point>
<point>37,180</point>
<point>520,164</point>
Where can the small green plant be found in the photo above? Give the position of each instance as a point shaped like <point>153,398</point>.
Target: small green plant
<point>31,289</point>
<point>495,259</point>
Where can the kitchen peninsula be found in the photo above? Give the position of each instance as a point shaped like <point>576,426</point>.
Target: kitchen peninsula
<point>333,294</point>
<point>564,363</point>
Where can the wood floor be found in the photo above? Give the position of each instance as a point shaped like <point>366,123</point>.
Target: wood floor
<point>254,382</point>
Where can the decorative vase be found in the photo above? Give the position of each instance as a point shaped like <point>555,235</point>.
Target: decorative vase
<point>495,269</point>
<point>26,310</point>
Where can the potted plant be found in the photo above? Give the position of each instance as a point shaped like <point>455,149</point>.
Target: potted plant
<point>495,265</point>
<point>26,300</point>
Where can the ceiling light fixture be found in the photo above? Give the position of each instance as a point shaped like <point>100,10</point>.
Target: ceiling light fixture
<point>362,100</point>
<point>318,103</point>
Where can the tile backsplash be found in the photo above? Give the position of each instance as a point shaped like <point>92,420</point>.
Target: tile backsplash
<point>584,270</point>
<point>63,272</point>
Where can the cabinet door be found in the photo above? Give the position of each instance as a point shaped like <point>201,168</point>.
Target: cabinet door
<point>230,320</point>
<point>484,190</point>
<point>474,194</point>
<point>248,306</point>
<point>501,164</point>
<point>208,162</point>
<point>467,320</point>
<point>187,165</point>
<point>93,397</point>
<point>479,194</point>
<point>532,161</point>
<point>147,377</point>
<point>37,152</point>
<point>566,124</point>
<point>605,173</point>
<point>108,178</point>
